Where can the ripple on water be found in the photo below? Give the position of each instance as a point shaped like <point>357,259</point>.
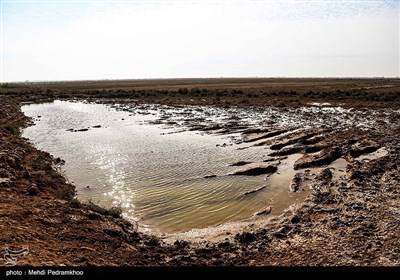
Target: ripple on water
<point>155,176</point>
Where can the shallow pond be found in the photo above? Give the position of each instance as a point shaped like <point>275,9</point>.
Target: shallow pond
<point>157,177</point>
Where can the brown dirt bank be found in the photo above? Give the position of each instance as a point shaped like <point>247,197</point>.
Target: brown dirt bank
<point>354,221</point>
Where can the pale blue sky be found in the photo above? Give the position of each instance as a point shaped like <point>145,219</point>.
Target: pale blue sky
<point>75,40</point>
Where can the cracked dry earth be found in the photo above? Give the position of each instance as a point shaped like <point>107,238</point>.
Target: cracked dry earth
<point>351,215</point>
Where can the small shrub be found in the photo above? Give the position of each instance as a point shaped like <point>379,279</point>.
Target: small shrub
<point>74,203</point>
<point>65,192</point>
<point>153,241</point>
<point>195,91</point>
<point>14,130</point>
<point>6,85</point>
<point>38,162</point>
<point>48,168</point>
<point>115,211</point>
<point>237,92</point>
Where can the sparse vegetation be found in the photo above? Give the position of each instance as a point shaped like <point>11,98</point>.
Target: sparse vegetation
<point>14,130</point>
<point>39,162</point>
<point>65,192</point>
<point>258,91</point>
<point>49,170</point>
<point>75,203</point>
<point>5,85</point>
<point>115,211</point>
<point>183,91</point>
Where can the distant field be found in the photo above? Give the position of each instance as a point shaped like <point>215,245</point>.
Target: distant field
<point>243,83</point>
<point>223,91</point>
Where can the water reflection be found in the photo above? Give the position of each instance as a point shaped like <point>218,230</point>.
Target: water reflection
<point>154,175</point>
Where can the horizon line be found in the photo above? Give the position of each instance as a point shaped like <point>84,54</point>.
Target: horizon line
<point>197,78</point>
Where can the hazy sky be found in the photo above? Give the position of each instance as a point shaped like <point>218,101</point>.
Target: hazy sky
<point>68,40</point>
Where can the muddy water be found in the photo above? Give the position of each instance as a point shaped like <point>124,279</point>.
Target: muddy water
<point>154,175</point>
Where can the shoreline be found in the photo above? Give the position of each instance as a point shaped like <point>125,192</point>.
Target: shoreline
<point>362,213</point>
